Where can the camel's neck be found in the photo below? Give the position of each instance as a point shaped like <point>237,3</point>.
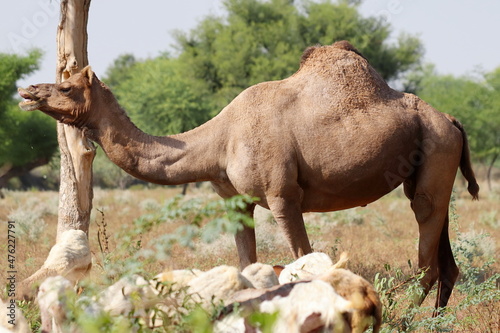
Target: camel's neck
<point>188,157</point>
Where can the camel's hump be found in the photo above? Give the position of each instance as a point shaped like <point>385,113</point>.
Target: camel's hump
<point>345,45</point>
<point>340,45</point>
<point>346,73</point>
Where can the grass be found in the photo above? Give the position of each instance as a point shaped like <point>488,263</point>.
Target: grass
<point>381,240</point>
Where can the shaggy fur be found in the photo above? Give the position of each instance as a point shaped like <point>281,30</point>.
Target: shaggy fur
<point>70,257</point>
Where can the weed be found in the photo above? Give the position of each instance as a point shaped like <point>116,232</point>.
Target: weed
<point>102,237</point>
<point>30,311</point>
<point>347,217</point>
<point>152,237</point>
<point>490,219</point>
<point>29,219</point>
<point>334,249</point>
<point>149,205</point>
<point>476,290</point>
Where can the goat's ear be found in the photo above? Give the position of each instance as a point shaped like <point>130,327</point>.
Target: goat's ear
<point>88,73</point>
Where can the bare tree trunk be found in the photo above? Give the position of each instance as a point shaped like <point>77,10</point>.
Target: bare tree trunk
<point>490,169</point>
<point>9,171</point>
<point>77,152</point>
<point>184,188</point>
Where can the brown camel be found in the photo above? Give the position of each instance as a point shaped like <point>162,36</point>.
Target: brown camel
<point>332,136</point>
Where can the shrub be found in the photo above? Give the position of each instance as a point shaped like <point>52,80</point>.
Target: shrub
<point>476,290</point>
<point>29,219</point>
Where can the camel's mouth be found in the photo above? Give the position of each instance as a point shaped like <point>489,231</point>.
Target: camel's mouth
<point>30,103</point>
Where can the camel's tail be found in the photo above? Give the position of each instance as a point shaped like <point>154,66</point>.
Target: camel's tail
<point>465,165</point>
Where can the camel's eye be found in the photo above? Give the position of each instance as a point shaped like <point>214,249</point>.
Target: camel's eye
<point>65,90</point>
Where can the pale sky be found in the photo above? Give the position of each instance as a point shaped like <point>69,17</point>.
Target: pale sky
<point>459,36</point>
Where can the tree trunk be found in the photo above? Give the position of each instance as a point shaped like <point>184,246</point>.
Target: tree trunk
<point>184,188</point>
<point>490,169</point>
<point>77,152</point>
<point>8,171</point>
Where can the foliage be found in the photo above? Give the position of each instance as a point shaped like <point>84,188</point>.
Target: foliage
<point>398,306</point>
<point>24,136</point>
<point>157,96</point>
<point>255,41</point>
<point>475,299</point>
<point>30,219</point>
<point>203,219</point>
<point>12,68</point>
<point>109,175</point>
<point>474,101</point>
<point>119,71</point>
<point>477,291</point>
<point>263,40</point>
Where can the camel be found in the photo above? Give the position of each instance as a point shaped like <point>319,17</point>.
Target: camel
<point>332,136</point>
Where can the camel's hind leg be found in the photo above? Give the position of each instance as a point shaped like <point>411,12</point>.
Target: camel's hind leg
<point>448,270</point>
<point>430,193</point>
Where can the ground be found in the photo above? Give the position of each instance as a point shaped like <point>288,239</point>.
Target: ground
<point>380,238</point>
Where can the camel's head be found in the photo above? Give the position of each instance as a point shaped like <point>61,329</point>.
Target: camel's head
<point>68,102</point>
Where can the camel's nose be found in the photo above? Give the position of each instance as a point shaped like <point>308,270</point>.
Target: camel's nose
<point>33,88</point>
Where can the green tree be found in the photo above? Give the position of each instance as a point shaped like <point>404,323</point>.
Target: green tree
<point>119,71</point>
<point>263,40</point>
<point>492,116</point>
<point>159,98</point>
<point>27,139</point>
<point>475,102</point>
<point>255,41</point>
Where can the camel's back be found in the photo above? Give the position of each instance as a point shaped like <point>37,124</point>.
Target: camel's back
<point>334,101</point>
<point>346,78</point>
<point>334,127</point>
<point>333,81</point>
<point>335,94</point>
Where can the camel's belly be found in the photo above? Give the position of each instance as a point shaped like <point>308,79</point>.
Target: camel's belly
<point>332,196</point>
<point>316,201</point>
<point>340,176</point>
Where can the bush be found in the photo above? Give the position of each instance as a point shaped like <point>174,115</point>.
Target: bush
<point>476,290</point>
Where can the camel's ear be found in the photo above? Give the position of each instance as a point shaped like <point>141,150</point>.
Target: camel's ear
<point>88,73</point>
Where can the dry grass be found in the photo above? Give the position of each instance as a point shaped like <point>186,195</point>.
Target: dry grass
<point>377,236</point>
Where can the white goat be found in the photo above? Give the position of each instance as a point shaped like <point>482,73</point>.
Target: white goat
<point>260,275</point>
<point>306,267</point>
<point>70,257</point>
<point>129,296</point>
<point>365,308</point>
<point>302,306</point>
<point>52,300</point>
<point>217,285</point>
<point>174,280</point>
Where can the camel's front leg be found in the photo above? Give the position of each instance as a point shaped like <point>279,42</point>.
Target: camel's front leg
<point>288,215</point>
<point>245,242</point>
